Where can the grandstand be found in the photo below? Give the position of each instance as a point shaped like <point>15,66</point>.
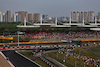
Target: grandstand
<point>58,35</point>
<point>80,33</point>
<point>67,31</point>
<point>62,36</point>
<point>55,24</point>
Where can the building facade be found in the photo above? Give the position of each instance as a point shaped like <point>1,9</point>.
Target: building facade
<point>83,15</point>
<point>90,16</point>
<point>36,17</point>
<point>16,17</point>
<point>23,14</point>
<point>1,17</point>
<point>75,16</point>
<point>8,16</point>
<point>30,18</point>
<point>4,17</point>
<point>79,16</point>
<point>98,17</point>
<point>45,17</point>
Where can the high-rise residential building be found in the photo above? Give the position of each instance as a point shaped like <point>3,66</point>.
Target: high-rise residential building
<point>8,16</point>
<point>16,17</point>
<point>45,17</point>
<point>4,17</point>
<point>98,17</point>
<point>1,17</point>
<point>75,16</point>
<point>36,17</point>
<point>23,14</point>
<point>62,18</point>
<point>83,15</point>
<point>90,16</point>
<point>50,18</point>
<point>30,18</point>
<point>79,16</point>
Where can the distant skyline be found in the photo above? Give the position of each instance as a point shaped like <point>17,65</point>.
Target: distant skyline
<point>53,8</point>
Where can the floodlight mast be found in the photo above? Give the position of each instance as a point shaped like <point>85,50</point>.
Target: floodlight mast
<point>18,38</point>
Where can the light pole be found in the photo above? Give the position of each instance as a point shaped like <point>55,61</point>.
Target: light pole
<point>80,52</point>
<point>3,40</point>
<point>84,64</point>
<point>18,36</point>
<point>75,63</point>
<point>9,34</point>
<point>57,55</point>
<point>64,60</point>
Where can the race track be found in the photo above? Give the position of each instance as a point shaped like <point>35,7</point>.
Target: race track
<point>18,60</point>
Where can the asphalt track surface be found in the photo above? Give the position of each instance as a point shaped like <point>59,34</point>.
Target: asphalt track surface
<point>18,60</point>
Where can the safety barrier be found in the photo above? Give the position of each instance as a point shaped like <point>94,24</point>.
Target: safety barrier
<point>46,61</point>
<point>20,47</point>
<point>30,42</point>
<point>9,38</point>
<point>91,40</point>
<point>37,47</point>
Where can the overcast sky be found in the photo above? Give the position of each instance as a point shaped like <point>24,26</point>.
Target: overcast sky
<point>51,7</point>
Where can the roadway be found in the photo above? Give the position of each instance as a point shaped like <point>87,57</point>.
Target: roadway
<point>18,60</point>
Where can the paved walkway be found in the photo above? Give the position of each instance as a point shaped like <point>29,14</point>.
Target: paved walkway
<point>3,62</point>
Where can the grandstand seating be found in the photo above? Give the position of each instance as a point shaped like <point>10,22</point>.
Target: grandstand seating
<point>58,35</point>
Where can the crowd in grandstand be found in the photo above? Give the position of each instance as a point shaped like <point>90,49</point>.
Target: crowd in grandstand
<point>62,34</point>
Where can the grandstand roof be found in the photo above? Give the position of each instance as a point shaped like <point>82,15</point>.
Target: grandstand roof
<point>59,26</point>
<point>94,24</point>
<point>55,25</point>
<point>21,26</point>
<point>43,24</point>
<point>95,29</point>
<point>86,26</point>
<point>73,24</point>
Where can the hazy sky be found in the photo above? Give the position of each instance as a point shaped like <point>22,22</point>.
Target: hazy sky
<point>51,7</point>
